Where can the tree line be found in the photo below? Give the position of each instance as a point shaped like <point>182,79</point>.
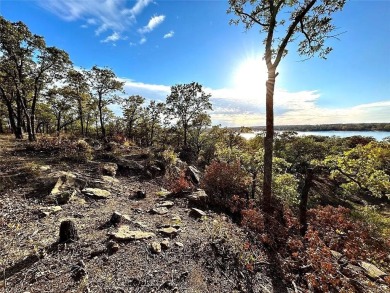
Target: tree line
<point>41,91</point>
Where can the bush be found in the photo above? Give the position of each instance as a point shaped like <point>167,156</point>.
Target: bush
<point>223,180</point>
<point>79,151</point>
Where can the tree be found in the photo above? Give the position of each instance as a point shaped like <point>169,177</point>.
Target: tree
<point>132,112</point>
<point>104,85</point>
<point>29,66</point>
<point>363,169</point>
<point>186,102</point>
<point>154,111</point>
<point>78,89</point>
<point>310,22</point>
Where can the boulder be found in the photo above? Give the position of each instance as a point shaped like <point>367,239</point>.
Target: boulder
<point>194,174</point>
<point>198,198</point>
<point>62,197</point>
<point>130,167</point>
<point>124,233</point>
<point>96,193</point>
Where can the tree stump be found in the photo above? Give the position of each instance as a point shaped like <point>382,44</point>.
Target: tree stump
<point>68,232</point>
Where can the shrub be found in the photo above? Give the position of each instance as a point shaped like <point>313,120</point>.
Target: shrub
<point>79,151</point>
<point>223,180</point>
<point>177,183</point>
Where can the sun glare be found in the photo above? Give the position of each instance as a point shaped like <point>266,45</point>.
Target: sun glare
<point>250,77</point>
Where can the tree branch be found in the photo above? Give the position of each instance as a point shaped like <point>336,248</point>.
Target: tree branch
<point>291,30</point>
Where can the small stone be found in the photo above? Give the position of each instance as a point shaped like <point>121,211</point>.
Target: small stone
<point>109,169</point>
<point>167,204</point>
<point>179,244</point>
<point>124,233</point>
<point>337,255</point>
<point>140,194</point>
<point>371,270</point>
<point>169,231</point>
<point>96,193</point>
<point>47,211</point>
<point>112,246</point>
<point>44,168</point>
<point>165,244</point>
<point>159,211</point>
<point>117,218</point>
<point>197,213</point>
<point>155,247</point>
<point>198,198</point>
<point>78,270</point>
<point>110,180</point>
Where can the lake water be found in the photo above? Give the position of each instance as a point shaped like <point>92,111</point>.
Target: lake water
<point>378,135</point>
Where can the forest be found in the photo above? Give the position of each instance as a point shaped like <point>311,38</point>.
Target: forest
<point>194,190</point>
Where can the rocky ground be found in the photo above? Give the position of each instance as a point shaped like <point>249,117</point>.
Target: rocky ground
<point>153,243</point>
<point>131,235</point>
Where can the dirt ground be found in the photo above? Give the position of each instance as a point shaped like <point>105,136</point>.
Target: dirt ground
<point>206,255</point>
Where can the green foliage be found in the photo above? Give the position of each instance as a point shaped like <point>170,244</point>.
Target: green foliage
<point>363,169</point>
<point>185,103</point>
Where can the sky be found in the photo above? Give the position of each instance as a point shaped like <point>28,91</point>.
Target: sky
<point>154,44</point>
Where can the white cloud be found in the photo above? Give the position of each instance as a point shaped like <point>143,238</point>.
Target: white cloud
<point>232,109</point>
<point>152,24</point>
<point>169,35</point>
<point>143,40</point>
<point>112,38</point>
<point>106,15</point>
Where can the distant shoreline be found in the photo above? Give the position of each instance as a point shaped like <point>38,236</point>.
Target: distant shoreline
<point>322,127</point>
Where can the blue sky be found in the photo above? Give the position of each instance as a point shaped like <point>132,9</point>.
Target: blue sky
<point>152,45</point>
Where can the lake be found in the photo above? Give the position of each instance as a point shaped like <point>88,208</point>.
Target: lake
<point>378,135</point>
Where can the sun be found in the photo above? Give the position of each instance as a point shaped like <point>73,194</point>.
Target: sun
<point>250,77</point>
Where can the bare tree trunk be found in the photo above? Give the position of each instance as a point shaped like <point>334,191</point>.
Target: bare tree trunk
<point>268,141</point>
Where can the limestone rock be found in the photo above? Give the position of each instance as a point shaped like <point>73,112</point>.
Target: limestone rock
<point>179,244</point>
<point>155,247</point>
<point>165,244</point>
<point>109,169</point>
<point>129,166</point>
<point>110,180</point>
<point>159,211</point>
<point>124,233</point>
<point>169,231</point>
<point>197,213</point>
<point>112,247</point>
<point>44,168</point>
<point>47,211</point>
<point>167,204</point>
<point>117,218</point>
<point>96,193</point>
<point>198,198</point>
<point>194,174</point>
<point>371,270</point>
<point>62,197</point>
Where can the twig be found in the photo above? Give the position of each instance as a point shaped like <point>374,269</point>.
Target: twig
<point>5,282</point>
